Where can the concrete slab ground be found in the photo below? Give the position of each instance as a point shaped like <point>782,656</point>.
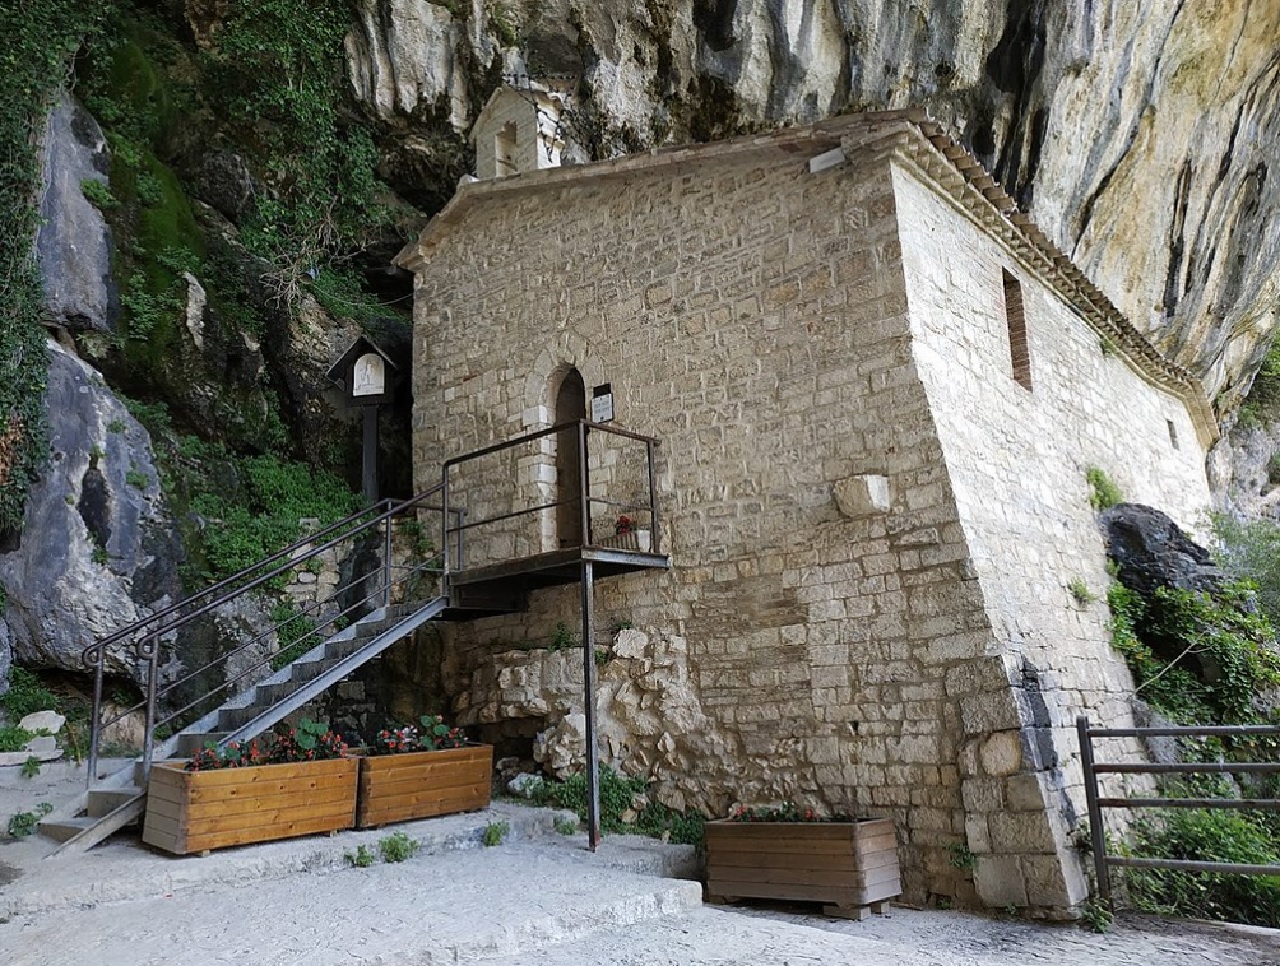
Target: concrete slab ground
<point>123,869</point>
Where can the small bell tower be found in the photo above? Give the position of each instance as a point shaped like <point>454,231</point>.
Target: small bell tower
<point>519,130</point>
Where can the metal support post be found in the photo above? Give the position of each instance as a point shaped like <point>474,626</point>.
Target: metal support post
<point>95,732</point>
<point>153,685</point>
<point>656,545</point>
<point>386,563</point>
<point>589,703</point>
<point>584,483</point>
<point>369,468</point>
<point>1097,833</point>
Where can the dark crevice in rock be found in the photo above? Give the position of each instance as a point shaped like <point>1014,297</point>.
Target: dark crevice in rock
<point>714,20</point>
<point>95,504</point>
<point>1177,238</point>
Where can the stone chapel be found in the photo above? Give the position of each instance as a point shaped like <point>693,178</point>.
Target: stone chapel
<point>876,389</point>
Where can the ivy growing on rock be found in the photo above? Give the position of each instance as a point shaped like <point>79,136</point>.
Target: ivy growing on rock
<point>35,51</point>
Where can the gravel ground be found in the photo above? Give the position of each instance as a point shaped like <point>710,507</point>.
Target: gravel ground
<point>718,936</point>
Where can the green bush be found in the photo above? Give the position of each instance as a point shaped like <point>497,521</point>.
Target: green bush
<point>1198,631</point>
<point>495,833</point>
<point>362,857</point>
<point>1212,836</point>
<point>1105,494</point>
<point>263,519</point>
<point>37,44</point>
<point>13,738</point>
<point>618,794</point>
<point>98,194</point>
<point>397,847</point>
<point>1251,551</point>
<point>23,824</point>
<point>26,695</point>
<point>295,632</point>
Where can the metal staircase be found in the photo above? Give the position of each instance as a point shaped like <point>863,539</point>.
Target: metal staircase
<point>259,684</point>
<point>378,608</point>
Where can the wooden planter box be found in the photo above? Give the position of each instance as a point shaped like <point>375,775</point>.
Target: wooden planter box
<point>421,784</point>
<point>195,811</point>
<point>848,865</point>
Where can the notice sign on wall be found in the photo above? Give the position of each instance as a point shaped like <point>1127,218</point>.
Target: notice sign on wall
<point>602,403</point>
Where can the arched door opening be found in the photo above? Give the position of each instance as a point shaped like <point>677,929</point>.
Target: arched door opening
<point>571,404</point>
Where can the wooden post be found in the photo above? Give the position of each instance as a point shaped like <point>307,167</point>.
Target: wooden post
<point>369,474</point>
<point>589,702</point>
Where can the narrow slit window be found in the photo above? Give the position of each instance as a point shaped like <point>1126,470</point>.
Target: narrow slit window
<point>1173,433</point>
<point>1016,319</point>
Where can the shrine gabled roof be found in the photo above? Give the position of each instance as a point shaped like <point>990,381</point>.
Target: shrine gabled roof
<point>913,138</point>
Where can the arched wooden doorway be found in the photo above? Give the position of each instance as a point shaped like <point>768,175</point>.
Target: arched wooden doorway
<point>571,404</point>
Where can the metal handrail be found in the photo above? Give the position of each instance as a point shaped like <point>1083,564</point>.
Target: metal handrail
<point>1096,803</point>
<point>170,620</point>
<point>584,427</point>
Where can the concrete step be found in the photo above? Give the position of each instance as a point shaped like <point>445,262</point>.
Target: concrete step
<point>188,745</point>
<point>65,828</point>
<point>105,801</point>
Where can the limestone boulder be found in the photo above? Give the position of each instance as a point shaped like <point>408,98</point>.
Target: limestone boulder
<point>97,549</point>
<point>73,245</point>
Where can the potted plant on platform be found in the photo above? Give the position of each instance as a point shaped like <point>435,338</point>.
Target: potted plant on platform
<point>851,865</point>
<point>293,781</point>
<point>421,771</point>
<point>627,536</point>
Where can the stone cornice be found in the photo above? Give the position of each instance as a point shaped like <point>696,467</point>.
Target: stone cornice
<point>913,139</point>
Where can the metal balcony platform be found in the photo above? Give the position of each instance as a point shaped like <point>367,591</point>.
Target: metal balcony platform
<point>503,587</point>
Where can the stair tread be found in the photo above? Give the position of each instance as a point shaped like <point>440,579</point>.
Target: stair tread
<point>79,821</point>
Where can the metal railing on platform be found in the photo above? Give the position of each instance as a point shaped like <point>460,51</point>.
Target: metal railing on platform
<point>1103,861</point>
<point>585,494</point>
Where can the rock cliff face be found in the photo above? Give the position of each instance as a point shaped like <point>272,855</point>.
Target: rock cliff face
<point>97,548</point>
<point>1138,135</point>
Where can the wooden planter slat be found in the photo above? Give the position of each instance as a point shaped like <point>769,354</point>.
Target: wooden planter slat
<point>849,865</point>
<point>201,810</point>
<point>423,784</point>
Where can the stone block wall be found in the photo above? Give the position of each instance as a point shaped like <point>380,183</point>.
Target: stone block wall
<point>1016,459</point>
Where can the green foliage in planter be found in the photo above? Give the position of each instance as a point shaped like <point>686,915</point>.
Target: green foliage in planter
<point>35,47</point>
<point>309,741</point>
<point>1104,492</point>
